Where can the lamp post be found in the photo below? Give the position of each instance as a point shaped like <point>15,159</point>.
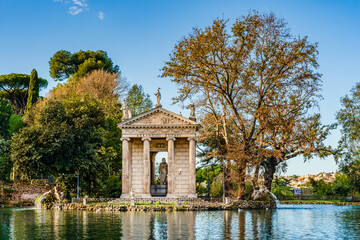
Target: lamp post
<point>78,185</point>
<point>222,164</point>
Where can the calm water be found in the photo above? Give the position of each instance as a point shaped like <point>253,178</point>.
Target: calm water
<point>291,222</point>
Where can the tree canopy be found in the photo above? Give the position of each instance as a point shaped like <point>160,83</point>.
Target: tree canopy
<point>138,101</point>
<point>255,86</point>
<point>348,150</point>
<point>5,114</point>
<point>63,143</point>
<point>84,114</point>
<point>14,87</point>
<point>65,65</point>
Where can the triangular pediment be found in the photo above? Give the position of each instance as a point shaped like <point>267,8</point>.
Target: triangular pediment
<point>158,117</point>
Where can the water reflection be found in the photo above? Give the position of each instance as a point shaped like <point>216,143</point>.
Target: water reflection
<point>312,222</point>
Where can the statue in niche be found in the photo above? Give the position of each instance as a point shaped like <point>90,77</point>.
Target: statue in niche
<point>158,98</point>
<point>163,172</point>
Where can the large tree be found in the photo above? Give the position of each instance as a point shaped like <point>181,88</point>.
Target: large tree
<point>64,64</point>
<point>63,143</point>
<point>138,101</point>
<point>14,87</point>
<point>253,82</point>
<point>348,150</point>
<point>33,92</point>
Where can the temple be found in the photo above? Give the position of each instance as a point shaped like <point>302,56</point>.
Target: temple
<point>148,134</point>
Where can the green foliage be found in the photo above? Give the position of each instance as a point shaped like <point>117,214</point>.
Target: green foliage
<point>14,87</point>
<point>352,171</point>
<point>5,162</point>
<point>320,187</point>
<point>217,185</point>
<point>205,177</point>
<point>49,201</point>
<point>280,187</point>
<point>33,92</point>
<point>16,123</point>
<point>342,185</point>
<point>138,101</point>
<point>112,186</point>
<point>64,65</point>
<point>64,142</point>
<point>348,153</point>
<point>5,114</point>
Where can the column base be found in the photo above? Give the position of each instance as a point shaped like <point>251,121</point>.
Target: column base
<point>125,195</point>
<point>147,195</point>
<point>192,195</point>
<point>170,195</point>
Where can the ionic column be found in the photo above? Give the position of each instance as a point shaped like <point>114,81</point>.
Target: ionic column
<point>125,168</point>
<point>147,167</point>
<point>192,168</point>
<point>171,167</point>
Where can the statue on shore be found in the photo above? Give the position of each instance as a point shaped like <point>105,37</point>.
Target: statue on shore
<point>163,172</point>
<point>158,98</point>
<point>262,194</point>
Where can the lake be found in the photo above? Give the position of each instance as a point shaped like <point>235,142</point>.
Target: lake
<point>288,222</point>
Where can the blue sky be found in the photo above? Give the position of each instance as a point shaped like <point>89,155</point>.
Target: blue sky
<point>139,36</point>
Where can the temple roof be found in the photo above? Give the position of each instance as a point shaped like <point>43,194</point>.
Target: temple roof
<point>158,118</point>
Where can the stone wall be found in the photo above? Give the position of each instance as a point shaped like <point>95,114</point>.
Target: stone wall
<point>137,171</point>
<point>182,164</point>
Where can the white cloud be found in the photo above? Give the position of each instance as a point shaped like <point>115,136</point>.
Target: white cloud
<point>101,15</point>
<point>81,3</point>
<point>77,6</point>
<point>74,10</point>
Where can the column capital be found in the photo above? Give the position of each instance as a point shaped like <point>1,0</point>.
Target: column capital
<point>125,139</point>
<point>146,138</point>
<point>172,138</point>
<point>192,138</point>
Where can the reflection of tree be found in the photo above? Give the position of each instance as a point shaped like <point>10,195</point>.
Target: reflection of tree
<point>227,224</point>
<point>242,224</point>
<point>255,224</point>
<point>5,224</point>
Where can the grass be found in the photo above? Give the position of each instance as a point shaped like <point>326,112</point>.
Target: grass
<point>106,203</point>
<point>311,201</point>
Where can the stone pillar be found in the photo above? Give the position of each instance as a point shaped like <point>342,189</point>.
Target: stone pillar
<point>153,173</point>
<point>171,178</point>
<point>147,167</point>
<point>125,168</point>
<point>192,168</point>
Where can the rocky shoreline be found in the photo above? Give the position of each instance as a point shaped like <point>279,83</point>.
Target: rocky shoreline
<point>323,202</point>
<point>181,207</point>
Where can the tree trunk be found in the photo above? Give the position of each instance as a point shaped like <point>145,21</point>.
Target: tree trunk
<point>270,168</point>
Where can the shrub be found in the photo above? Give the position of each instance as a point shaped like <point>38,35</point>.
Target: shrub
<point>48,201</point>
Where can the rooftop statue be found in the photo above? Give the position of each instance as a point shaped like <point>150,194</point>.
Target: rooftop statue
<point>158,98</point>
<point>125,111</point>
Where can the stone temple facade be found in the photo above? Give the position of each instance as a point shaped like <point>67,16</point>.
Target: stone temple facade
<point>158,130</point>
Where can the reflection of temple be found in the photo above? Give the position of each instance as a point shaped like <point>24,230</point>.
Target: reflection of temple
<point>147,134</point>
